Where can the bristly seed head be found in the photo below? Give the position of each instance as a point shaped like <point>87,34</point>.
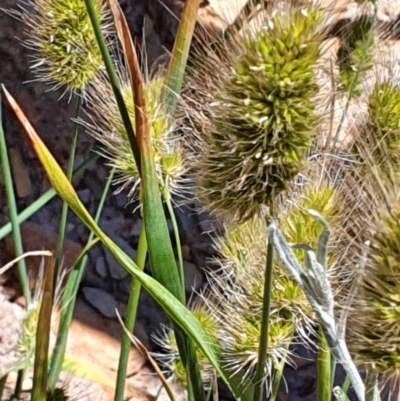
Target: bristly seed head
<point>355,54</point>
<point>375,332</point>
<point>107,127</point>
<point>383,126</point>
<point>261,121</point>
<point>66,53</point>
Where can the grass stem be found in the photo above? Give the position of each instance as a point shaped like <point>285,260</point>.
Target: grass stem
<point>263,345</point>
<point>130,318</point>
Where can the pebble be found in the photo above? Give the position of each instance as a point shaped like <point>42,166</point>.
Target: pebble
<point>136,228</point>
<point>116,270</point>
<point>101,267</point>
<point>85,195</point>
<point>102,301</point>
<point>20,173</point>
<point>193,277</point>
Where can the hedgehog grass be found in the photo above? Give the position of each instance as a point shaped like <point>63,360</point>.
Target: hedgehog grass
<point>262,120</point>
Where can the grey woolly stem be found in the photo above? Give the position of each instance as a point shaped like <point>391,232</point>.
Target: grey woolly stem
<point>322,304</point>
<point>263,345</point>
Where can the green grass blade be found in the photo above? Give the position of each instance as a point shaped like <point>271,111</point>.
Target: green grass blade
<point>42,200</point>
<point>39,385</point>
<point>180,54</point>
<point>130,319</point>
<point>13,213</point>
<point>114,82</point>
<point>64,211</point>
<point>324,390</point>
<point>69,297</point>
<point>176,311</point>
<point>168,203</point>
<point>259,383</point>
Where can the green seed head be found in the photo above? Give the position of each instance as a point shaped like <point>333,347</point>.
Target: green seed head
<point>171,360</point>
<point>107,127</point>
<point>57,394</point>
<point>375,333</point>
<point>355,54</point>
<point>261,120</point>
<point>383,127</point>
<point>66,53</point>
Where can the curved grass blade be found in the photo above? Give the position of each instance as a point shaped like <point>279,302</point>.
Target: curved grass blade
<point>176,311</point>
<point>180,54</point>
<point>162,259</point>
<point>43,200</point>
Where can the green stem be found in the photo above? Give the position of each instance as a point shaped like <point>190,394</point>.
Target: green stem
<point>68,301</point>
<point>354,82</point>
<point>3,381</point>
<point>180,53</point>
<point>64,211</point>
<point>277,378</point>
<point>324,389</point>
<point>112,76</point>
<point>371,387</point>
<point>130,318</point>
<point>333,369</point>
<point>13,213</point>
<point>42,200</point>
<point>263,346</point>
<point>168,202</point>
<point>18,385</point>
<point>346,385</point>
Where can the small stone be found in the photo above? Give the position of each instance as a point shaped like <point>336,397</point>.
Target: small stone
<point>185,252</point>
<point>36,237</point>
<point>193,278</point>
<point>101,267</point>
<point>85,195</point>
<point>136,228</point>
<point>116,270</point>
<point>20,173</point>
<point>102,301</point>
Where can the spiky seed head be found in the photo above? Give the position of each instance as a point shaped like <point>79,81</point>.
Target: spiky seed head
<point>296,222</point>
<point>375,332</point>
<point>171,360</point>
<point>355,54</point>
<point>107,127</point>
<point>66,53</point>
<point>57,394</point>
<point>236,289</point>
<point>261,120</point>
<point>383,126</point>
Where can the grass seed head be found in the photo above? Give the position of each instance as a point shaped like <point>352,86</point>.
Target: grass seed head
<point>261,120</point>
<point>171,360</point>
<point>383,126</point>
<point>375,333</point>
<point>60,33</point>
<point>107,127</point>
<point>355,54</point>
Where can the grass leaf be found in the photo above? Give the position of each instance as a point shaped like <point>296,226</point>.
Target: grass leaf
<point>177,312</point>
